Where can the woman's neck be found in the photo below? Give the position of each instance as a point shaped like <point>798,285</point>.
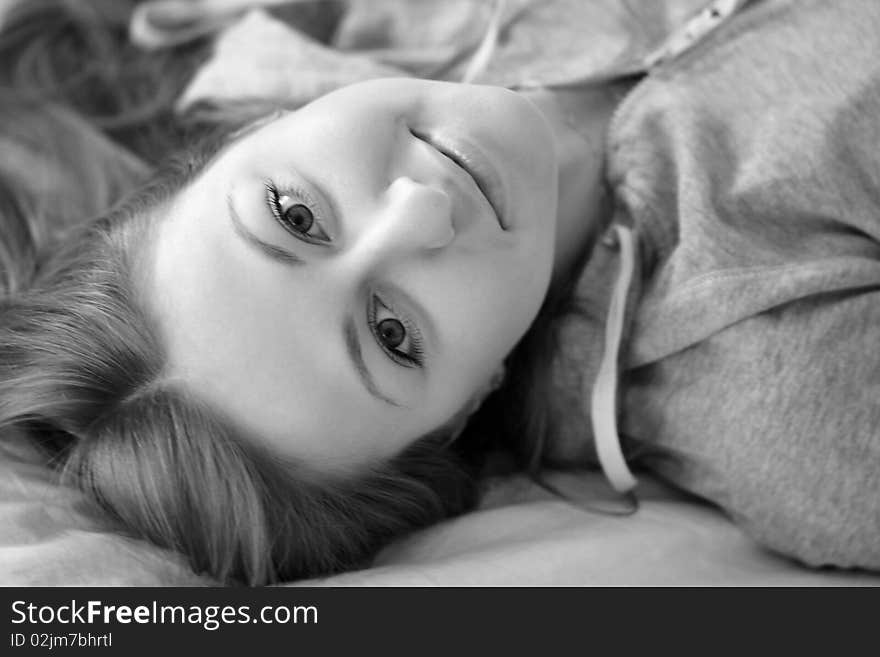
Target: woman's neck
<point>579,118</point>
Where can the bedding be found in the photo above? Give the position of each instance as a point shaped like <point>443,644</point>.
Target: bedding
<point>521,535</point>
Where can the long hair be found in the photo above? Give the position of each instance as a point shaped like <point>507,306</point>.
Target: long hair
<point>80,358</point>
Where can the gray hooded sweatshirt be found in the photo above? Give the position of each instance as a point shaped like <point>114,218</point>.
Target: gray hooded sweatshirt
<point>748,169</point>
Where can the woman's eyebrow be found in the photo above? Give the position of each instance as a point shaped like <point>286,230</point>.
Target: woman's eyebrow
<point>353,347</point>
<point>273,251</point>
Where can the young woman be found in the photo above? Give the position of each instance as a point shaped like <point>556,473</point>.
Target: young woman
<point>267,356</point>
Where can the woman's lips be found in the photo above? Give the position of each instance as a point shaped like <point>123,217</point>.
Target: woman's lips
<point>477,165</point>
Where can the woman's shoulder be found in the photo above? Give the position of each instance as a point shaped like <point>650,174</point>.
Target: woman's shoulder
<point>750,168</point>
<point>787,65</point>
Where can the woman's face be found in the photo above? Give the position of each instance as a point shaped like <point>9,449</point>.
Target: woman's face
<point>346,278</point>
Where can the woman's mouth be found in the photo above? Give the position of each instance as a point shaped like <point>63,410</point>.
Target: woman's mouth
<point>476,164</point>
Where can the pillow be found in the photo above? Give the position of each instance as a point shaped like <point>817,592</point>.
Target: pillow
<point>521,536</point>
<point>51,537</point>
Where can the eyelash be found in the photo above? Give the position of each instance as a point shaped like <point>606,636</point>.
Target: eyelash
<point>416,356</point>
<point>273,199</point>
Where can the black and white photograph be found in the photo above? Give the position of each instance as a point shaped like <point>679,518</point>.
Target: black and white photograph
<point>436,294</point>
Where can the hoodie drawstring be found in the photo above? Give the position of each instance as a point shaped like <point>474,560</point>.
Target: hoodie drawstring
<point>603,403</point>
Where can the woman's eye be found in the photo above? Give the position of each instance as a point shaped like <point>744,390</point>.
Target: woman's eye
<point>400,340</point>
<point>295,214</point>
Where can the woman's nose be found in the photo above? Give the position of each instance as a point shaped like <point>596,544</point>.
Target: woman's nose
<point>413,218</point>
